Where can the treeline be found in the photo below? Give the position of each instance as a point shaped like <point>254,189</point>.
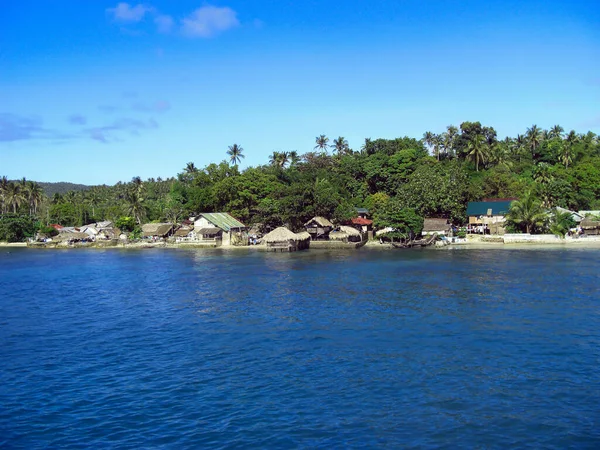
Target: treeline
<point>395,178</point>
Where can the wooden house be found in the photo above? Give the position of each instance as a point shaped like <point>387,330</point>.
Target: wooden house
<point>283,240</point>
<point>488,216</point>
<point>318,228</point>
<point>221,226</point>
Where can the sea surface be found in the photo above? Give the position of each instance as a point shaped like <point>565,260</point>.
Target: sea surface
<point>176,349</point>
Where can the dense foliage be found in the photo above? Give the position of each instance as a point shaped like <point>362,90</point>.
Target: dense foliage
<point>433,177</point>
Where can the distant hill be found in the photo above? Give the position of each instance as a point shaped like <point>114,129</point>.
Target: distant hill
<point>62,187</point>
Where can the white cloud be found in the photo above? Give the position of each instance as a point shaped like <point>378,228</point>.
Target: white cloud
<point>209,21</point>
<point>124,12</point>
<point>164,23</point>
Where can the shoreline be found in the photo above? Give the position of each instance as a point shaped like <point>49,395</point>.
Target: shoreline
<point>478,243</point>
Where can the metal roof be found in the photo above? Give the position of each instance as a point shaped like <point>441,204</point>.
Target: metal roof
<point>488,208</point>
<point>223,221</point>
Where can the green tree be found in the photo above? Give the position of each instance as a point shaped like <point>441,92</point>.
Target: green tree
<point>235,154</point>
<point>322,142</point>
<point>477,150</point>
<point>527,213</point>
<point>561,223</point>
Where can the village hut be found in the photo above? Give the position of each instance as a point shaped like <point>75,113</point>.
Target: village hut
<point>318,228</point>
<point>71,237</point>
<point>590,225</point>
<point>353,234</point>
<point>432,226</point>
<point>157,230</point>
<point>283,240</point>
<point>183,232</point>
<point>106,234</point>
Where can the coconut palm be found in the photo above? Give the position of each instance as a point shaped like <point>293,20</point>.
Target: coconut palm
<point>477,150</point>
<point>190,168</point>
<point>527,213</point>
<point>367,146</point>
<point>294,158</point>
<point>428,139</point>
<point>322,142</point>
<point>135,204</point>
<point>340,145</point>
<point>561,223</point>
<point>34,195</point>
<point>14,196</point>
<point>534,138</point>
<point>556,131</point>
<point>235,154</point>
<point>3,192</point>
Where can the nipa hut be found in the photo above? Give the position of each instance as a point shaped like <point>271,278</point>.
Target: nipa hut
<point>71,237</point>
<point>319,228</point>
<point>283,240</point>
<point>436,226</point>
<point>590,226</point>
<point>346,233</point>
<point>157,230</point>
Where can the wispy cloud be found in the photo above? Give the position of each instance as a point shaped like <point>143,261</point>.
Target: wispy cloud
<point>108,109</point>
<point>164,23</point>
<point>124,12</point>
<point>110,133</point>
<point>17,128</point>
<point>209,21</point>
<point>159,106</point>
<point>77,119</point>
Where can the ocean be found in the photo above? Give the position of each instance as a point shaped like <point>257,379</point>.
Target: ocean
<point>158,348</point>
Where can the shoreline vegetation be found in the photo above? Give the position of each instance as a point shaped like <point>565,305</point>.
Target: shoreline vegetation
<point>546,175</point>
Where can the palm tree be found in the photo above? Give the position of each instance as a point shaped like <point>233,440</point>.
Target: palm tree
<point>477,150</point>
<point>294,158</point>
<point>235,154</point>
<point>534,138</point>
<point>3,192</point>
<point>34,194</point>
<point>367,146</point>
<point>428,138</point>
<point>451,134</point>
<point>500,154</point>
<point>190,168</point>
<point>275,158</point>
<point>321,142</point>
<point>560,223</point>
<point>527,212</point>
<point>556,131</point>
<point>340,145</point>
<point>14,196</point>
<point>135,204</point>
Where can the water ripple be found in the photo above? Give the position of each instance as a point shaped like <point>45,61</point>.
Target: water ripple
<point>188,349</point>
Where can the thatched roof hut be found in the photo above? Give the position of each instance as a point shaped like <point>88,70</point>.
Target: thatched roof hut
<point>71,237</point>
<point>338,236</point>
<point>184,231</point>
<point>350,231</point>
<point>431,225</point>
<point>285,240</point>
<point>157,229</point>
<point>590,225</point>
<point>321,221</point>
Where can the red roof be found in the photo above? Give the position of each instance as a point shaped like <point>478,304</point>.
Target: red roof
<point>56,226</point>
<point>361,221</point>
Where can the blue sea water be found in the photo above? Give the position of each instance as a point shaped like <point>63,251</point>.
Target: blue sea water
<point>320,349</point>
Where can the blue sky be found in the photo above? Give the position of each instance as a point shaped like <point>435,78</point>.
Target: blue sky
<point>97,92</point>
